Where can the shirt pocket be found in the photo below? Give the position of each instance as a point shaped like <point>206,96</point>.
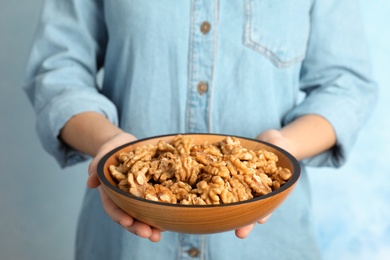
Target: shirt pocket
<point>278,29</point>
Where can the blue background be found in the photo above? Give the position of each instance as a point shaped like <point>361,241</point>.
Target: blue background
<point>39,202</point>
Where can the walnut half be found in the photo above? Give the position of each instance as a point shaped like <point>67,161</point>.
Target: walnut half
<point>205,174</point>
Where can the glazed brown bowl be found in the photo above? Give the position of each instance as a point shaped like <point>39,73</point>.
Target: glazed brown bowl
<point>198,219</point>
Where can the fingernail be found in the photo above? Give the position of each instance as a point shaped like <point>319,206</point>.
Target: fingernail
<point>120,223</point>
<point>90,172</point>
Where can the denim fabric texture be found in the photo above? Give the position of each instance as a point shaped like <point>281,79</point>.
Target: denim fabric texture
<point>260,65</point>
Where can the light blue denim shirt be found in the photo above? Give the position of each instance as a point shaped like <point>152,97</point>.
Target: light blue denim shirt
<point>231,67</point>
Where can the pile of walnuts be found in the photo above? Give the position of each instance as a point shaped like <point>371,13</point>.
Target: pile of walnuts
<point>185,173</point>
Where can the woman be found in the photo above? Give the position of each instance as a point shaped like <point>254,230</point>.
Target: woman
<point>295,74</point>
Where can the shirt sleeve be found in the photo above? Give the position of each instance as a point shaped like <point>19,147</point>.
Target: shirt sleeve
<point>67,52</point>
<point>336,76</point>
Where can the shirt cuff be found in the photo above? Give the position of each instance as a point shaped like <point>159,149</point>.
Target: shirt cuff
<point>344,120</point>
<point>54,116</point>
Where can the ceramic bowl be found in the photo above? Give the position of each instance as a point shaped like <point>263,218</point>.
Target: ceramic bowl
<point>198,219</point>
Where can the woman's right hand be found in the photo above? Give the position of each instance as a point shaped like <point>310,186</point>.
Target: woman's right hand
<point>119,216</point>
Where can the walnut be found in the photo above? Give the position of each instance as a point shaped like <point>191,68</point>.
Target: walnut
<point>179,189</point>
<point>116,172</point>
<point>241,189</point>
<point>227,195</point>
<point>243,154</point>
<point>232,169</point>
<point>206,153</point>
<point>154,167</point>
<point>202,176</point>
<point>192,199</point>
<point>138,184</point>
<point>205,174</point>
<point>210,191</point>
<point>183,144</point>
<point>239,165</point>
<point>275,185</point>
<point>218,169</point>
<point>166,147</point>
<point>229,143</point>
<point>123,157</point>
<point>124,185</point>
<point>141,167</point>
<point>165,167</point>
<point>187,169</point>
<point>280,177</point>
<point>144,153</point>
<point>284,173</point>
<point>259,183</point>
<point>267,161</point>
<point>160,193</point>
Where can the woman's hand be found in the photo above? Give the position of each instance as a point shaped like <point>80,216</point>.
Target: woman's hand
<point>305,137</point>
<point>119,216</point>
<point>129,223</point>
<point>92,133</point>
<point>274,137</point>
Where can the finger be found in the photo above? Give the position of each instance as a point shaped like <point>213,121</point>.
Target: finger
<point>156,235</point>
<point>93,180</point>
<point>263,220</point>
<point>134,226</point>
<point>244,231</point>
<point>140,229</point>
<point>114,211</point>
<point>143,230</point>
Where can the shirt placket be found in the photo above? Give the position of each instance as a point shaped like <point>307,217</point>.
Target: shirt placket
<point>201,64</point>
<point>192,247</point>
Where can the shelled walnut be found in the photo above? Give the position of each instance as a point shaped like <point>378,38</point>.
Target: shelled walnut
<point>205,174</point>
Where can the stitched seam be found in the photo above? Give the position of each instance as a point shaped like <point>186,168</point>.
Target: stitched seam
<point>190,68</point>
<point>215,48</point>
<point>249,42</point>
<point>203,246</point>
<point>180,247</point>
<point>271,55</point>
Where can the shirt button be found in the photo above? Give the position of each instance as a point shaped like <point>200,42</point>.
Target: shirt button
<point>205,27</point>
<point>193,252</point>
<point>202,87</point>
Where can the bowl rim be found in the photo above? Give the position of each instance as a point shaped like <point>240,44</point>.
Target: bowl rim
<point>293,180</point>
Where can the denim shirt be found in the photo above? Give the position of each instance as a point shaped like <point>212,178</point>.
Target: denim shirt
<point>231,67</point>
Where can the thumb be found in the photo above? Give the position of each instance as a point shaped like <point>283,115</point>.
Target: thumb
<point>93,180</point>
<point>115,141</point>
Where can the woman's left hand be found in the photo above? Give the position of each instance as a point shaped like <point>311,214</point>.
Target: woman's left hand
<point>274,137</point>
